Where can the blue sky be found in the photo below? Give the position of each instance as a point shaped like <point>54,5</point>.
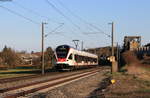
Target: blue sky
<point>131,17</point>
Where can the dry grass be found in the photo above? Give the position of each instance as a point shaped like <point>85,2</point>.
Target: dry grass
<point>130,58</point>
<point>128,86</point>
<point>135,67</point>
<point>133,84</point>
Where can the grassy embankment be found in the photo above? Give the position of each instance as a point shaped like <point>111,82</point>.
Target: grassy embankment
<point>134,83</point>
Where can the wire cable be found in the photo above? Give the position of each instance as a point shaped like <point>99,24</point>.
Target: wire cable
<point>61,13</point>
<point>54,29</point>
<point>33,12</point>
<point>100,30</point>
<point>20,15</point>
<point>81,19</point>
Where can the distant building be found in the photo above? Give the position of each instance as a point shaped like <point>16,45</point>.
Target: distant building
<point>132,42</point>
<point>28,58</point>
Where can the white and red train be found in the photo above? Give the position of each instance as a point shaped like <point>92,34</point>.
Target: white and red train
<point>69,58</point>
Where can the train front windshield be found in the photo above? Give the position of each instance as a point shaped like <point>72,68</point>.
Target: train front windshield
<point>62,51</point>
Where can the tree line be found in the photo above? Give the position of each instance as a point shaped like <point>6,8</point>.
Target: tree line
<point>9,58</point>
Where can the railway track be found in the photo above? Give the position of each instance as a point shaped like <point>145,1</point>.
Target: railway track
<point>43,86</point>
<point>7,80</point>
<point>13,79</point>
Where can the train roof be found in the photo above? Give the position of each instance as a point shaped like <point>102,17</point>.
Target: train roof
<point>64,46</point>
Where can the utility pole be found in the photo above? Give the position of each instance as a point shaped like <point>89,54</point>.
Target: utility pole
<point>112,39</point>
<point>117,52</point>
<point>43,67</point>
<point>76,43</point>
<point>82,45</point>
<point>114,67</point>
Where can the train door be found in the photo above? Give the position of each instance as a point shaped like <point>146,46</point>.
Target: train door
<point>71,60</point>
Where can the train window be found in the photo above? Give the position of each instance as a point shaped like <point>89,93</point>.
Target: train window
<point>70,57</point>
<point>62,51</point>
<point>75,57</point>
<point>82,58</point>
<point>95,60</point>
<point>78,58</point>
<point>86,59</point>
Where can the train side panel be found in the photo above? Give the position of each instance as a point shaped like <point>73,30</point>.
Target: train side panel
<point>71,58</point>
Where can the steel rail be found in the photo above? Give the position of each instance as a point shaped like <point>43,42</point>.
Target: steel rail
<point>33,83</point>
<point>6,80</point>
<point>22,93</point>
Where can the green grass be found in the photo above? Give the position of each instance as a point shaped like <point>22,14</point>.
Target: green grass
<point>17,72</point>
<point>143,90</point>
<point>144,82</point>
<point>147,69</point>
<point>2,76</point>
<point>21,71</point>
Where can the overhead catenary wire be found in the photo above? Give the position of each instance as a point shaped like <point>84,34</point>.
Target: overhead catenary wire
<point>33,12</point>
<point>18,14</point>
<point>73,14</point>
<point>100,30</point>
<point>77,27</point>
<point>61,13</point>
<point>55,29</point>
<point>58,33</point>
<point>82,20</point>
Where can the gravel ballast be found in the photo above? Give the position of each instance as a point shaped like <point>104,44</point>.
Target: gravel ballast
<point>82,88</point>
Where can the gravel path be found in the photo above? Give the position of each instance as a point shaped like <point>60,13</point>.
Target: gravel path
<point>79,89</point>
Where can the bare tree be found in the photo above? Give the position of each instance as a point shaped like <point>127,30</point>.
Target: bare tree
<point>10,57</point>
<point>49,54</point>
